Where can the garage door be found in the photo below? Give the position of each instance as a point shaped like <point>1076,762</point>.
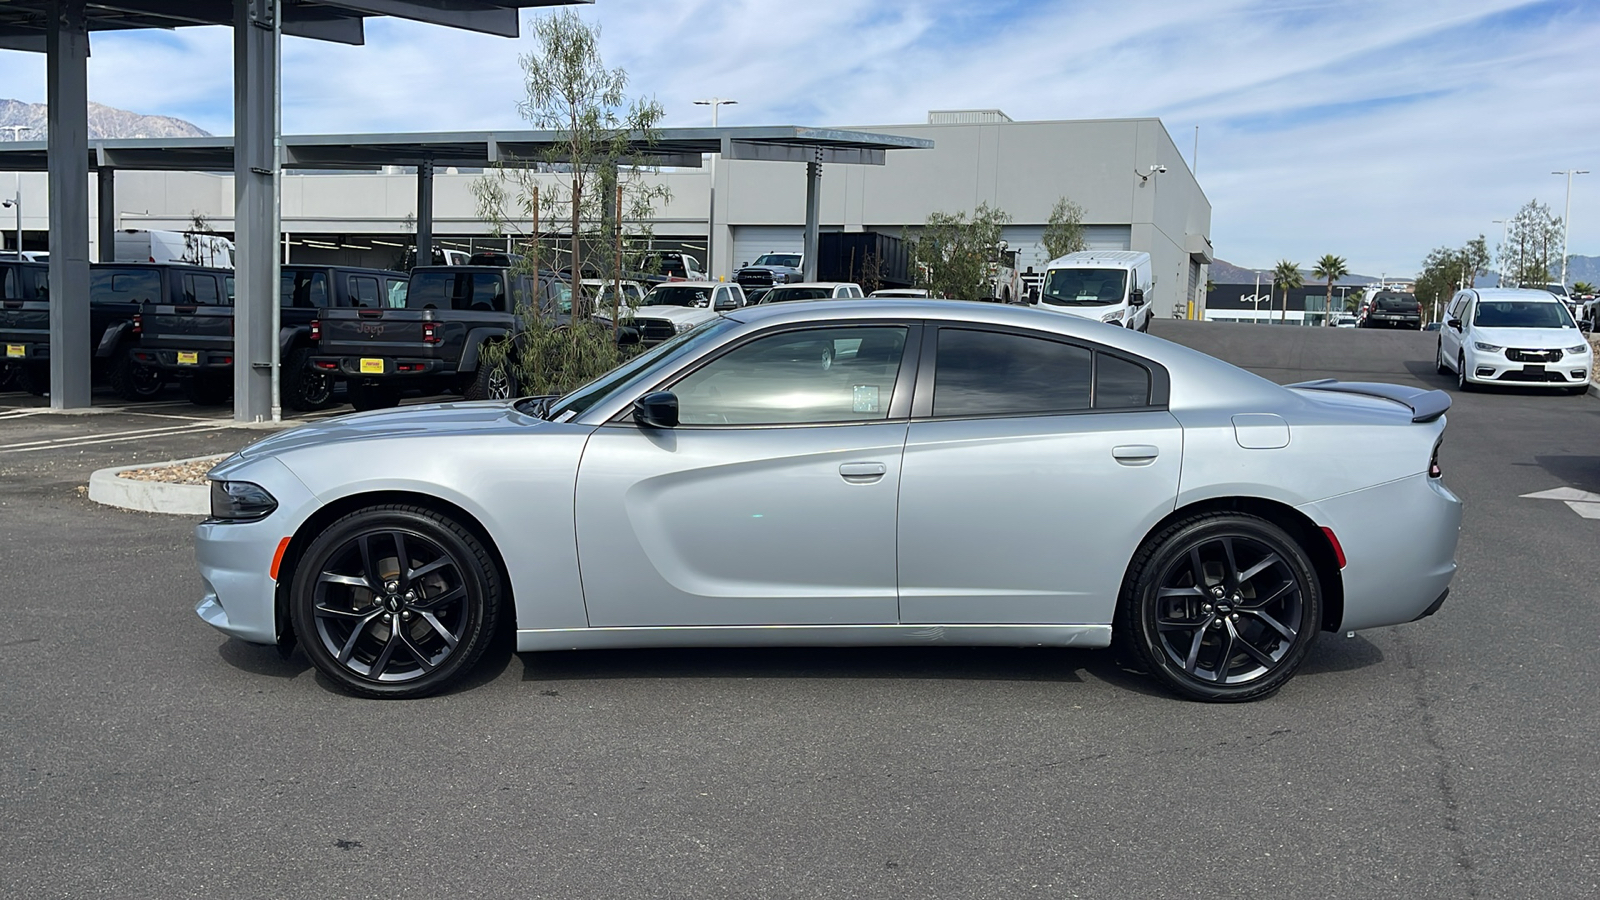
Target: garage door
<point>750,241</point>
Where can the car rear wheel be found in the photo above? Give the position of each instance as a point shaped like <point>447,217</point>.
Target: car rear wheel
<point>1222,607</point>
<point>131,381</point>
<point>33,378</point>
<point>304,388</point>
<point>395,601</point>
<point>365,395</point>
<point>493,381</point>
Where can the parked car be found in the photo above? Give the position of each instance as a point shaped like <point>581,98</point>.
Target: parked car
<point>1431,326</point>
<point>25,325</point>
<point>1512,336</point>
<point>1392,309</point>
<point>813,290</point>
<point>435,341</point>
<point>678,306</point>
<point>117,292</point>
<point>1346,320</point>
<point>903,293</point>
<point>1109,286</point>
<point>191,340</point>
<point>604,293</point>
<point>848,473</point>
<point>769,269</point>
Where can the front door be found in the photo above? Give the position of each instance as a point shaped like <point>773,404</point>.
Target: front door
<point>772,502</point>
<point>1030,477</point>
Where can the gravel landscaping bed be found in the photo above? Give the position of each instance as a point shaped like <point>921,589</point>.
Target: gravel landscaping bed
<point>192,472</point>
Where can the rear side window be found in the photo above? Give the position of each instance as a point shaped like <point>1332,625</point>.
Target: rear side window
<point>477,291</point>
<point>41,282</point>
<point>305,290</point>
<point>8,284</point>
<point>124,286</point>
<point>396,292</point>
<point>985,373</point>
<point>1120,384</point>
<point>201,290</point>
<point>365,292</point>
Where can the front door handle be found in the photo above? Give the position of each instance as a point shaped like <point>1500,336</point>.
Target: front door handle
<point>863,472</point>
<point>1135,454</point>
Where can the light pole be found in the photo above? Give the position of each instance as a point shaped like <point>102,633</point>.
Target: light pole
<point>711,217</point>
<point>16,202</point>
<point>1566,219</point>
<point>1500,266</point>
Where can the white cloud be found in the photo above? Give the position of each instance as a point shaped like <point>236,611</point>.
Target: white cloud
<point>1370,129</point>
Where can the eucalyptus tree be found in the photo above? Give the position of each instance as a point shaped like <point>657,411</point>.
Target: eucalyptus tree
<point>1063,232</point>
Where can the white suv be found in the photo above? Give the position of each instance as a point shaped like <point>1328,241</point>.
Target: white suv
<point>1515,337</point>
<point>813,290</point>
<point>677,306</point>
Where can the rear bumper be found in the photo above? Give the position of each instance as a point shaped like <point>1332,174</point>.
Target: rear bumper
<point>24,351</point>
<point>393,366</point>
<point>173,360</point>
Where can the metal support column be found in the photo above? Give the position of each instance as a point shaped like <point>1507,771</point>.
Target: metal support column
<point>808,271</point>
<point>425,213</point>
<point>255,179</point>
<point>106,200</point>
<point>67,92</point>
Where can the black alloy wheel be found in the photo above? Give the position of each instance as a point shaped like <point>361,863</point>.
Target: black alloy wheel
<point>1223,607</point>
<point>33,378</point>
<point>395,601</point>
<point>303,388</point>
<point>131,381</point>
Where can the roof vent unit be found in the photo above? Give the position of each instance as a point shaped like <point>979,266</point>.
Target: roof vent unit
<point>967,117</point>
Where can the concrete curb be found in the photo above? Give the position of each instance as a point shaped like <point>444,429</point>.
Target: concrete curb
<point>107,487</point>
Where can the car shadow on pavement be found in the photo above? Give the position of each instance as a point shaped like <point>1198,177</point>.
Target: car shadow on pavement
<point>1333,652</point>
<point>960,663</point>
<point>262,659</point>
<point>1581,472</point>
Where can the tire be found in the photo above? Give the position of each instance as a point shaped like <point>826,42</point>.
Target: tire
<point>1462,384</point>
<point>349,591</point>
<point>132,381</point>
<point>302,388</point>
<point>33,378</point>
<point>210,389</point>
<point>1198,622</point>
<point>1438,358</point>
<point>492,382</point>
<point>365,395</point>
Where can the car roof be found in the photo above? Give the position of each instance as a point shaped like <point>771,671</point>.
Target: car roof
<point>815,284</point>
<point>694,284</point>
<point>1536,295</point>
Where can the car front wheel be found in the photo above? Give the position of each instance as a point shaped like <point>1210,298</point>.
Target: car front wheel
<point>1438,359</point>
<point>1222,606</point>
<point>395,601</point>
<point>1462,382</point>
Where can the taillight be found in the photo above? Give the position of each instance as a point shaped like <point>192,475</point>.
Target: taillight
<point>1338,551</point>
<point>430,333</point>
<point>138,324</point>
<point>1433,461</point>
<point>316,329</point>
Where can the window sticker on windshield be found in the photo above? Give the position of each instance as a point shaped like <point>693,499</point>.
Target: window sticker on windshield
<point>864,398</point>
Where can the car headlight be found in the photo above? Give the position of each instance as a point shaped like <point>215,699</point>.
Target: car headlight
<point>1112,316</point>
<point>240,501</point>
<point>1487,348</point>
<point>1581,348</point>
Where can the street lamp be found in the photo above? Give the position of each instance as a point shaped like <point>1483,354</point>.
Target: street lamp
<point>16,202</point>
<point>1566,218</point>
<point>715,103</point>
<point>1500,267</point>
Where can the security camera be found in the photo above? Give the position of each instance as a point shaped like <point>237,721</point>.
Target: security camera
<point>1157,168</point>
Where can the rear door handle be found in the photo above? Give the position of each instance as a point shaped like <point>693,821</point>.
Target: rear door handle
<point>1135,454</point>
<point>863,472</point>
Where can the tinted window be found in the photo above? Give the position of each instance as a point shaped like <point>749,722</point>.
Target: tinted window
<point>365,292</point>
<point>782,294</point>
<point>124,286</point>
<point>8,284</point>
<point>201,289</point>
<point>397,293</point>
<point>1522,314</point>
<point>41,282</point>
<point>303,289</point>
<point>479,291</point>
<point>982,373</point>
<point>1119,384</point>
<point>676,295</point>
<point>797,377</point>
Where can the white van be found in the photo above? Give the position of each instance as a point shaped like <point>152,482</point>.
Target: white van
<point>197,248</point>
<point>1109,286</point>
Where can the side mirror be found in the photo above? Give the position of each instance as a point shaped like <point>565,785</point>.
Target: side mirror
<point>1136,298</point>
<point>657,409</point>
<point>1454,323</point>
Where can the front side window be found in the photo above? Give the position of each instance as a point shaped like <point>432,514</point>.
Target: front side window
<point>200,289</point>
<point>124,286</point>
<point>805,377</point>
<point>364,292</point>
<point>783,294</point>
<point>1084,287</point>
<point>306,290</point>
<point>678,295</point>
<point>1522,314</point>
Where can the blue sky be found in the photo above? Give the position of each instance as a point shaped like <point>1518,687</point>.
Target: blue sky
<point>1372,130</point>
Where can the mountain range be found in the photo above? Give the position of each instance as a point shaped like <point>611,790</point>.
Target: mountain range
<point>104,122</point>
<point>1579,268</point>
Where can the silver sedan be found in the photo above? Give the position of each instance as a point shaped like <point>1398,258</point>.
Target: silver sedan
<point>861,473</point>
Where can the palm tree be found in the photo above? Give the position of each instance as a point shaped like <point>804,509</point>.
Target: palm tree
<point>1286,275</point>
<point>1330,268</point>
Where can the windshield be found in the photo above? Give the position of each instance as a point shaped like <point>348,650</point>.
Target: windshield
<point>1396,302</point>
<point>666,351</point>
<point>678,295</point>
<point>1084,287</point>
<point>790,260</point>
<point>1521,314</point>
<point>778,295</point>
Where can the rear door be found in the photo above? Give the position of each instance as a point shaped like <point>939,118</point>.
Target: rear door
<point>1033,467</point>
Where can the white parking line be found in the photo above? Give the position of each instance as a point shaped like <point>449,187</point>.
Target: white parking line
<point>84,440</point>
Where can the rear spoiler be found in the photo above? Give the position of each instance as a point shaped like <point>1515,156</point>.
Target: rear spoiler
<point>1425,405</point>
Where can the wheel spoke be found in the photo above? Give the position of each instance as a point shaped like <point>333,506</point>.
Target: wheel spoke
<point>374,582</point>
<point>429,603</point>
<point>382,662</point>
<point>1260,602</point>
<point>355,635</point>
<point>346,580</point>
<point>1220,670</point>
<point>402,561</point>
<point>1232,578</point>
<point>1164,593</point>
<point>1198,567</point>
<point>1250,649</point>
<point>1194,647</point>
<point>438,626</point>
<point>421,657</point>
<point>421,571</point>
<point>335,612</point>
<point>1258,568</point>
<point>1274,624</point>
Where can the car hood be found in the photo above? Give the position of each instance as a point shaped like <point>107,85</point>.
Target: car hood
<point>671,313</point>
<point>434,420</point>
<point>1530,338</point>
<point>784,269</point>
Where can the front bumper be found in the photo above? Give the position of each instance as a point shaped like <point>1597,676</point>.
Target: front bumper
<point>239,597</point>
<point>1493,367</point>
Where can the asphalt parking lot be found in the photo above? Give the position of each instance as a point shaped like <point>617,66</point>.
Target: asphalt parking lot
<point>147,756</point>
